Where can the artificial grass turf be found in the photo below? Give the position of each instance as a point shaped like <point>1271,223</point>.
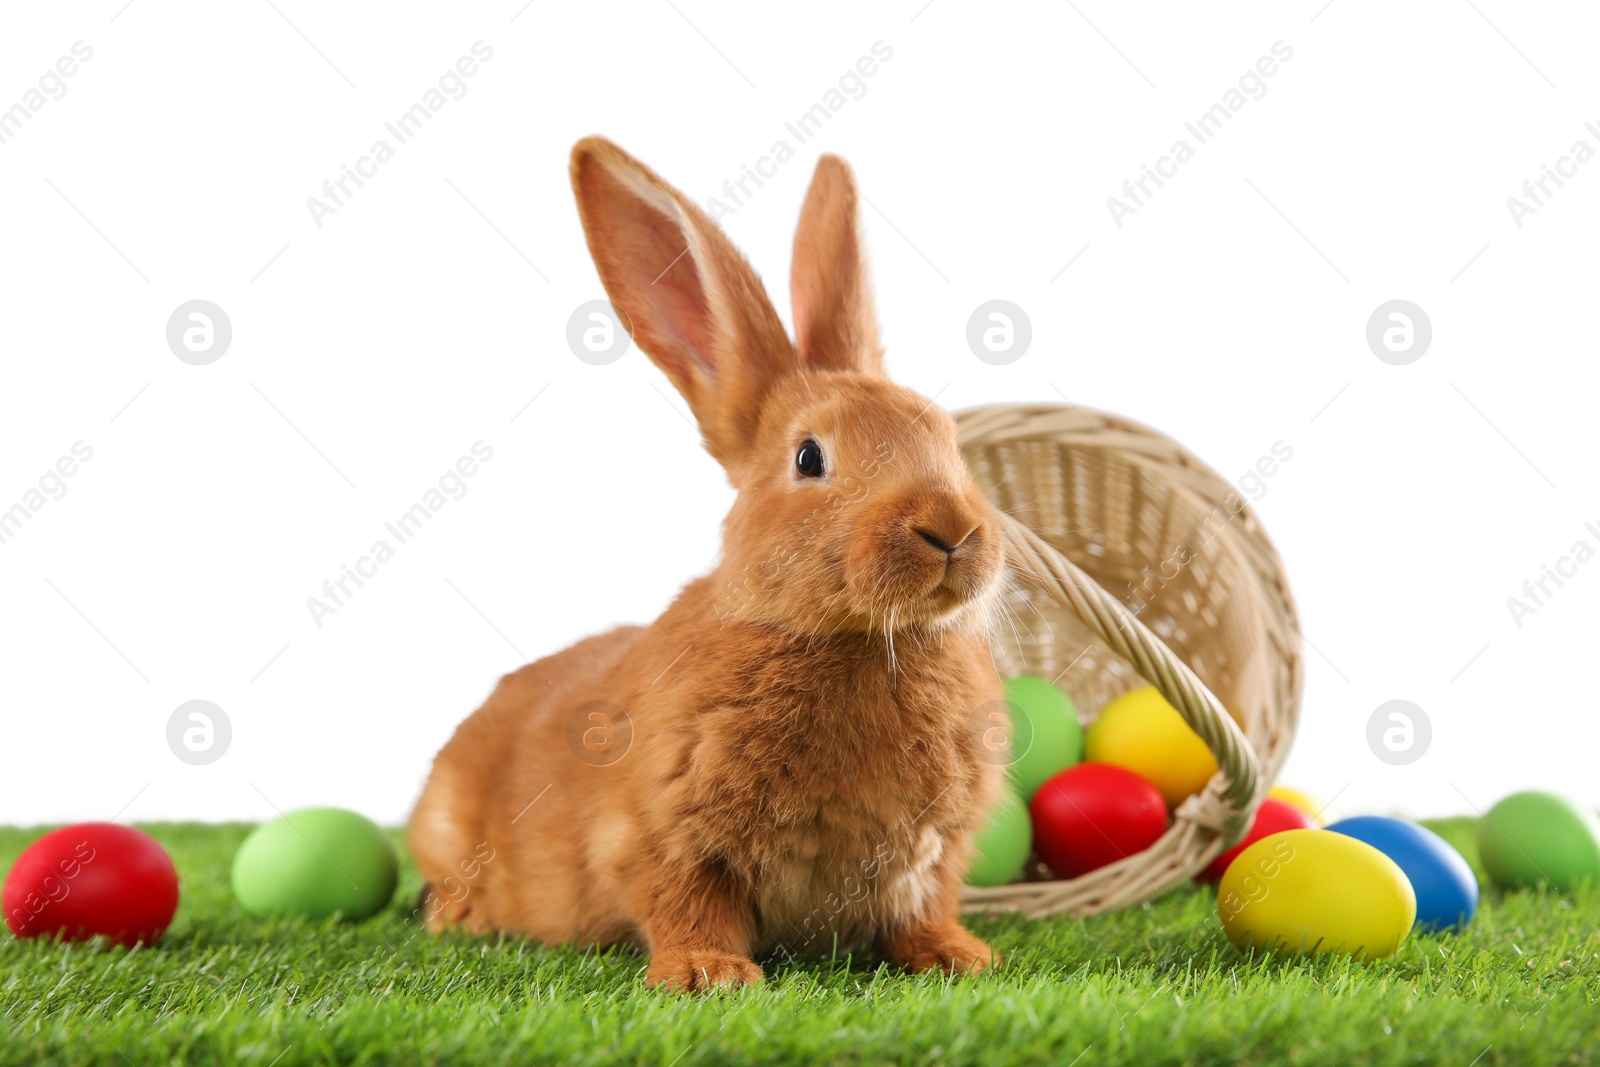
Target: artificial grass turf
<point>1152,985</point>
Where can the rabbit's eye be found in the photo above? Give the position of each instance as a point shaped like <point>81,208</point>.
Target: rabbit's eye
<point>808,461</point>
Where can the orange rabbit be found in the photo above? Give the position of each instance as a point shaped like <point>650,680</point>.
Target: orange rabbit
<point>784,763</point>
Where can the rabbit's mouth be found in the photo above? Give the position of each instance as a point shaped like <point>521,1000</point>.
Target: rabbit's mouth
<point>958,594</point>
<point>926,568</point>
<point>945,603</point>
<point>937,593</point>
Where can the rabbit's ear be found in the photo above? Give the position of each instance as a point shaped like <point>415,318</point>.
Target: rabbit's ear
<point>685,293</point>
<point>834,324</point>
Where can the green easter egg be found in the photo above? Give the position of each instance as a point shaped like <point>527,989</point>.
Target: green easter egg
<point>1045,736</point>
<point>1538,838</point>
<point>315,862</point>
<point>1003,844</point>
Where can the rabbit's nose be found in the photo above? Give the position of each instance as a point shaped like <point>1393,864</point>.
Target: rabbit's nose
<point>935,540</point>
<point>948,539</point>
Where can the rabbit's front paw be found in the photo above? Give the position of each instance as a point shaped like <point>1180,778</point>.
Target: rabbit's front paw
<point>699,970</point>
<point>950,948</point>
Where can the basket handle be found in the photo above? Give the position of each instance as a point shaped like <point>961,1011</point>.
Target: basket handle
<point>1122,631</point>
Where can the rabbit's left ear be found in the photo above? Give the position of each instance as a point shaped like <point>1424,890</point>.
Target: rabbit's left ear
<point>691,302</point>
<point>834,324</point>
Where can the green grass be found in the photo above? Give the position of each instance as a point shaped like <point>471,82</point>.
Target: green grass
<point>1152,985</point>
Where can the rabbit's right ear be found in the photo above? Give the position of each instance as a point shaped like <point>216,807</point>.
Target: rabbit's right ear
<point>834,325</point>
<point>686,295</point>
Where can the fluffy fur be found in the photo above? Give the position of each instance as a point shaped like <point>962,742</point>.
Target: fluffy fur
<point>784,762</point>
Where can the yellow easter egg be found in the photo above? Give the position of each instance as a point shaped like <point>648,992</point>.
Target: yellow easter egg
<point>1296,799</point>
<point>1143,733</point>
<point>1316,891</point>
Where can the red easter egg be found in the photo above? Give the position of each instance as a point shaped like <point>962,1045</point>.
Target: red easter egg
<point>1270,818</point>
<point>1094,814</point>
<point>92,878</point>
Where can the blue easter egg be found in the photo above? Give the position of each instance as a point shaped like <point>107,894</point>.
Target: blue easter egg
<point>1447,890</point>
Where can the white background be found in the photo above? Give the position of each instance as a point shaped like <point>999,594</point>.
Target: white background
<point>420,318</point>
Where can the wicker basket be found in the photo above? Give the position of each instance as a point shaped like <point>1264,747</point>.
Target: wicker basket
<point>1136,562</point>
